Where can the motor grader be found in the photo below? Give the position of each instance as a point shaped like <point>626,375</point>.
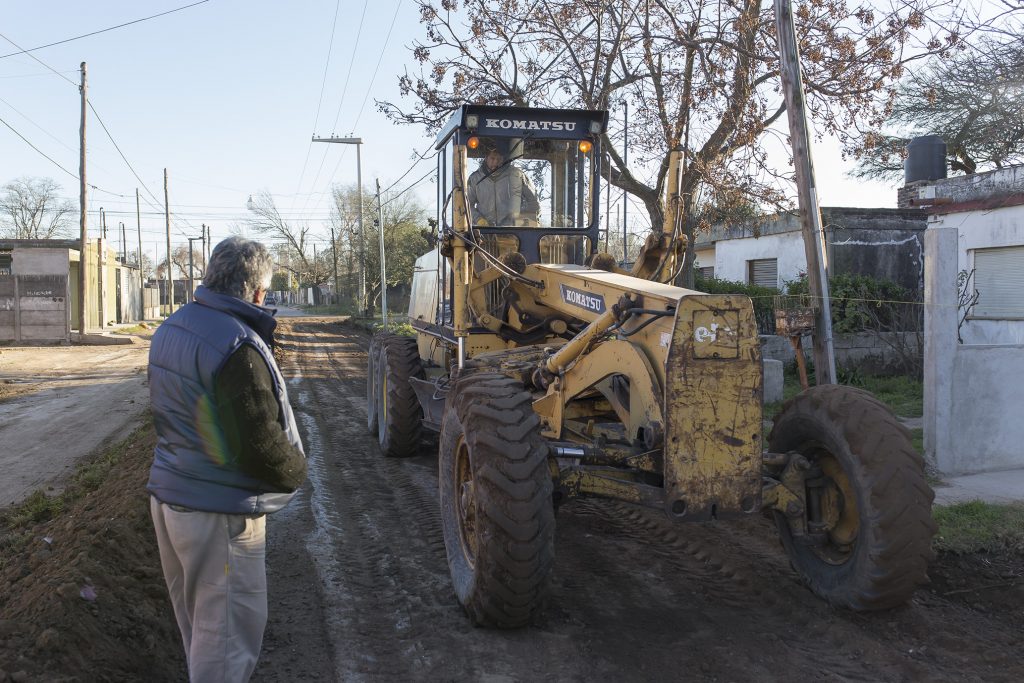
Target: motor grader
<point>552,373</point>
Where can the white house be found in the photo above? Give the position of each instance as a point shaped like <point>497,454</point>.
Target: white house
<point>884,243</point>
<point>974,320</point>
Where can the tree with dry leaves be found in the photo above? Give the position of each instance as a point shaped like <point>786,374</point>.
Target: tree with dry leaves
<point>699,76</point>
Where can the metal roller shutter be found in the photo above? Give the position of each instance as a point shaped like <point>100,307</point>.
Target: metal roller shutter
<point>999,282</point>
<point>763,272</point>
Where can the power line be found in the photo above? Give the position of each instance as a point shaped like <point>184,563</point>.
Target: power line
<point>319,104</point>
<point>29,53</point>
<point>48,157</point>
<point>341,102</point>
<point>104,30</point>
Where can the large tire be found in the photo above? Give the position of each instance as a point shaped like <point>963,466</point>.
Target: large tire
<point>399,415</point>
<point>877,524</point>
<point>373,379</point>
<point>495,490</point>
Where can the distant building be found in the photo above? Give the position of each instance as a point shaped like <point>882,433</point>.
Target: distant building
<point>39,285</point>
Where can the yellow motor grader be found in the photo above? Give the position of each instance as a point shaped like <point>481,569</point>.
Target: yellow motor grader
<point>552,373</point>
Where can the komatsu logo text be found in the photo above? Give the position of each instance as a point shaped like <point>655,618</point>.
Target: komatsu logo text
<point>590,302</point>
<point>513,124</point>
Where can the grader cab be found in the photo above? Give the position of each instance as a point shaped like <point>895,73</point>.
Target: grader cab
<point>552,373</point>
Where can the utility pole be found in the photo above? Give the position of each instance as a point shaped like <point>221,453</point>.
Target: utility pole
<point>122,248</point>
<point>191,269</point>
<point>142,272</point>
<point>810,212</point>
<point>625,200</point>
<point>334,253</point>
<point>101,281</point>
<point>383,269</point>
<point>83,247</point>
<point>167,223</point>
<point>358,142</point>
<point>316,275</point>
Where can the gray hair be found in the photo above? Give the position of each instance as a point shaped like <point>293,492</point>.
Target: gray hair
<point>238,267</point>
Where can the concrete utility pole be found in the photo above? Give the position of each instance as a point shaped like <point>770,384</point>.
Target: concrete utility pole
<point>383,269</point>
<point>334,253</point>
<point>625,195</point>
<point>167,223</point>
<point>142,273</point>
<point>358,142</point>
<point>810,212</point>
<point>83,248</point>
<point>191,268</point>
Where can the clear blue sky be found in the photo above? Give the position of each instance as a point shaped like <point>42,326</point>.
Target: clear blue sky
<point>225,95</point>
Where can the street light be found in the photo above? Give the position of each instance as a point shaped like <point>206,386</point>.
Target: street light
<point>358,142</point>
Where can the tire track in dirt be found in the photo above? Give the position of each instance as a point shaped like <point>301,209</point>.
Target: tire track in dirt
<point>634,596</point>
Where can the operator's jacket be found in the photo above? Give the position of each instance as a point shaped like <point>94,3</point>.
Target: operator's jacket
<point>504,197</point>
<point>227,440</point>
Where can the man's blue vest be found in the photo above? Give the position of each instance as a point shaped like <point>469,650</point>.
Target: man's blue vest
<point>192,465</point>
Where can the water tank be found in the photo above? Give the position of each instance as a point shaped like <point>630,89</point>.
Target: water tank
<point>926,159</point>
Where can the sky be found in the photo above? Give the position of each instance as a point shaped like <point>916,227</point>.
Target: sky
<point>226,95</point>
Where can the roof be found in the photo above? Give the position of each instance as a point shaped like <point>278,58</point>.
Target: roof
<point>557,123</point>
<point>996,189</point>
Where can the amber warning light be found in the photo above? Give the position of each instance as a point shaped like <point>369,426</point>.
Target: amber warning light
<point>586,146</point>
<point>473,142</point>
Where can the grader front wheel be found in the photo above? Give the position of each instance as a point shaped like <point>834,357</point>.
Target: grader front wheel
<point>864,541</point>
<point>399,416</point>
<point>495,491</point>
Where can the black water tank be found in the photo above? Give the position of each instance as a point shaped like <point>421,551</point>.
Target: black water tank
<point>926,159</point>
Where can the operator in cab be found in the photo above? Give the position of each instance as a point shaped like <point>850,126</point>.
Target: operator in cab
<point>499,192</point>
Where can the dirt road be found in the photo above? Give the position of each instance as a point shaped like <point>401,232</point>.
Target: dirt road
<point>360,591</point>
<point>60,403</point>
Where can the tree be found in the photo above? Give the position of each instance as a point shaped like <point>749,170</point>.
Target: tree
<point>973,100</point>
<point>293,251</point>
<point>180,257</point>
<point>700,76</point>
<point>31,208</point>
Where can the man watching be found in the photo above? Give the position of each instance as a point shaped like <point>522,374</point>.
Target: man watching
<point>501,194</point>
<point>228,452</point>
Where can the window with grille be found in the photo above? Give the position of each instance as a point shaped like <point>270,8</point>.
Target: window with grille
<point>999,283</point>
<point>706,272</point>
<point>763,272</point>
<point>6,262</point>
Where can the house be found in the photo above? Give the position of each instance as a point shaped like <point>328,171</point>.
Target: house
<point>974,320</point>
<point>883,243</point>
<point>39,285</point>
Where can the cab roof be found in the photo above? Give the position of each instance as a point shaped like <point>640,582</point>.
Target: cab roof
<point>496,121</point>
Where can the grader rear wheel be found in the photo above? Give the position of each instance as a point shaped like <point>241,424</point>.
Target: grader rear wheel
<point>495,490</point>
<point>399,416</point>
<point>372,379</point>
<point>865,539</point>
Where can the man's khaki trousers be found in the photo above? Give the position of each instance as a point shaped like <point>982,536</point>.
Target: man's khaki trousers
<point>215,568</point>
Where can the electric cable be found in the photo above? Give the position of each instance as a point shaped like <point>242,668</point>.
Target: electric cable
<point>93,33</point>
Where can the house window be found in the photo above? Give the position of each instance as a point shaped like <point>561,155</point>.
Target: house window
<point>998,282</point>
<point>706,272</point>
<point>6,262</point>
<point>763,272</point>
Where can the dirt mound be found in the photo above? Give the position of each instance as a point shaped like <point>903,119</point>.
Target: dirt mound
<point>82,597</point>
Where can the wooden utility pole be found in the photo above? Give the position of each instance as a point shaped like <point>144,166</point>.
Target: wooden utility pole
<point>167,223</point>
<point>83,248</point>
<point>810,212</point>
<point>142,273</point>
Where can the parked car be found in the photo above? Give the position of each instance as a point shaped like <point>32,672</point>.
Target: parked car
<point>271,300</point>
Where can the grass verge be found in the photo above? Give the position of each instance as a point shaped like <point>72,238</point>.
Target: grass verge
<point>980,527</point>
<point>16,521</point>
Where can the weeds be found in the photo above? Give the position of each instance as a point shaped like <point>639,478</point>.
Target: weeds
<point>980,527</point>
